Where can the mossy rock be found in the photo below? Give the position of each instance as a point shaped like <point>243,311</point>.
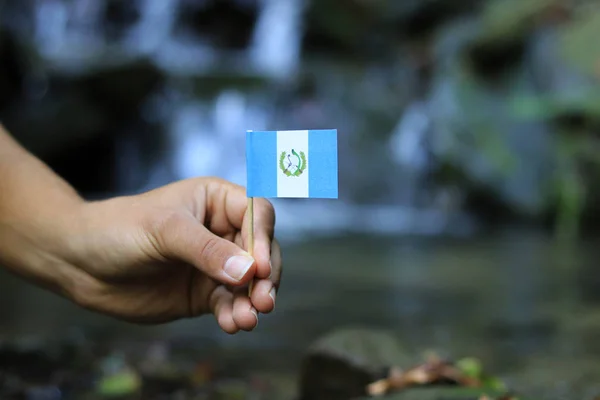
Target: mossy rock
<point>340,365</point>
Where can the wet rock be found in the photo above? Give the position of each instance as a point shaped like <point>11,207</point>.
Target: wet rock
<point>476,134</point>
<point>494,123</point>
<point>343,363</point>
<point>121,89</point>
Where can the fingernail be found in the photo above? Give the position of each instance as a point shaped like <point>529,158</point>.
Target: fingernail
<point>273,294</point>
<point>237,266</point>
<point>270,269</point>
<point>253,310</point>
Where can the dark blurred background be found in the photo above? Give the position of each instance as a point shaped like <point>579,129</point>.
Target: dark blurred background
<point>469,170</point>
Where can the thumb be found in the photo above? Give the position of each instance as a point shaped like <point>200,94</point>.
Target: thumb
<point>184,238</point>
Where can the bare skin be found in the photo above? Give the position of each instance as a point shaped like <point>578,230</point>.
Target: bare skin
<point>170,253</point>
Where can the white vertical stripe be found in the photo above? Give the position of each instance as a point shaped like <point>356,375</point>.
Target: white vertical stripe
<point>292,186</point>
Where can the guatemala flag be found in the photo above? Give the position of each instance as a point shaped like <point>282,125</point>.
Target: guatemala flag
<point>292,164</point>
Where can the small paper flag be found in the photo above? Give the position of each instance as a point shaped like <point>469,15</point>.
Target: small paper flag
<point>300,164</point>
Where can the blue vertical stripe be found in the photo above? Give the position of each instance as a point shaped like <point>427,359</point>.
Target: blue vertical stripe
<point>261,163</point>
<point>323,164</point>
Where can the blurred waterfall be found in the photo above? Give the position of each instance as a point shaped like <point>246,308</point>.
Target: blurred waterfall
<point>209,139</point>
<point>276,43</point>
<point>157,18</point>
<point>68,31</point>
<point>408,145</point>
<point>203,111</point>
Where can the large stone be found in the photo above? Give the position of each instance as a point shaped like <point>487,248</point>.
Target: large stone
<point>475,131</point>
<point>344,362</point>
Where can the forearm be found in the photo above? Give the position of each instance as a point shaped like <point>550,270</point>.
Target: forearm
<point>37,209</point>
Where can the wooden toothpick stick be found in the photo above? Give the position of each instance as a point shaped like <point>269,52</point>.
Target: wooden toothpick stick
<point>250,235</point>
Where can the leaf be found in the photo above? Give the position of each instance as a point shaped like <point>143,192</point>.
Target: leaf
<point>493,383</point>
<point>470,367</point>
<point>119,384</point>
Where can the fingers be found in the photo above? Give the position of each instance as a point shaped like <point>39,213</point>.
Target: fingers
<point>264,223</point>
<point>233,311</point>
<point>182,237</point>
<point>264,293</point>
<point>244,314</point>
<point>277,264</point>
<point>263,296</point>
<point>227,208</point>
<point>221,305</point>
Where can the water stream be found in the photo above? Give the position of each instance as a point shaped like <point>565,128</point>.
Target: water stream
<point>512,299</point>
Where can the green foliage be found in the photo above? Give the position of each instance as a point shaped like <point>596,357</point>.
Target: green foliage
<point>123,383</point>
<point>506,18</point>
<point>472,368</point>
<point>579,42</point>
<point>545,107</point>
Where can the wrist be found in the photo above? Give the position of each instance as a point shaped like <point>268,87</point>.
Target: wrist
<point>35,237</point>
<point>39,218</point>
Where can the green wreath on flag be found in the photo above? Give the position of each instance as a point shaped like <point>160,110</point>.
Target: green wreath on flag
<point>301,166</point>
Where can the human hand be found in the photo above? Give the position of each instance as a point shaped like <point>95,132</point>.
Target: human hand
<point>175,252</point>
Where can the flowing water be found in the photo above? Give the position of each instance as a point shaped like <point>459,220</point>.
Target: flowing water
<point>526,307</point>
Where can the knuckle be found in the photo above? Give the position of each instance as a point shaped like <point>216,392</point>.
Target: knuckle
<point>267,207</point>
<point>161,230</point>
<point>155,224</point>
<point>210,250</point>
